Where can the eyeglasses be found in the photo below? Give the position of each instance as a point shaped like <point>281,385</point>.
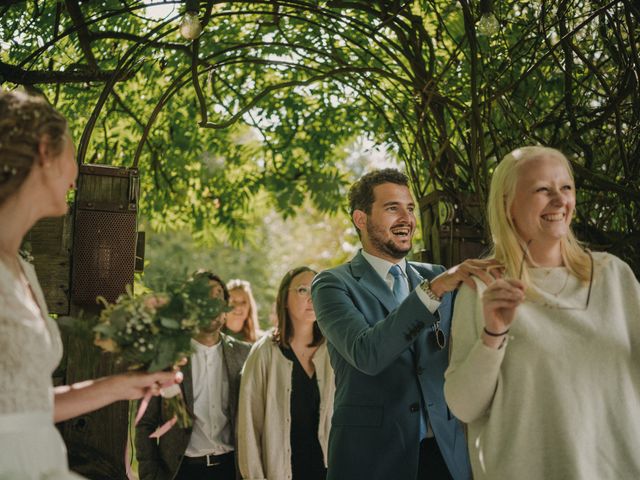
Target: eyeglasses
<point>525,253</point>
<point>302,290</point>
<point>438,335</point>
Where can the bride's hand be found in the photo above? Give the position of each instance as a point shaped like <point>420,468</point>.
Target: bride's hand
<point>135,385</point>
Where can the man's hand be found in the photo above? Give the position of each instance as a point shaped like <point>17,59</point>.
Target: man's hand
<point>485,270</point>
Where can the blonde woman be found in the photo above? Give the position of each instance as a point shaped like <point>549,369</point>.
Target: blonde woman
<point>286,392</point>
<point>545,364</point>
<point>242,322</point>
<point>37,169</point>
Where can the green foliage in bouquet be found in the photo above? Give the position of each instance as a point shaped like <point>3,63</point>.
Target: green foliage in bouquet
<point>152,332</point>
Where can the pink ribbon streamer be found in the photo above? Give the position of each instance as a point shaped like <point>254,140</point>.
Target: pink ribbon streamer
<point>143,408</point>
<point>161,430</point>
<point>164,428</point>
<point>127,461</point>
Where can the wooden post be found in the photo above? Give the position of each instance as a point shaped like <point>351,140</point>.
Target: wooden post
<point>452,228</point>
<point>49,243</point>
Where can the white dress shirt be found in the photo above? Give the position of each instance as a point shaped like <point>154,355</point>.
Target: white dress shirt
<point>211,433</point>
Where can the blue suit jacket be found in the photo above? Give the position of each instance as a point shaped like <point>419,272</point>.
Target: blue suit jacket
<point>379,378</point>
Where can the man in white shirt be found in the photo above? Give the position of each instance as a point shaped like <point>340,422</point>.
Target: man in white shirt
<point>210,388</point>
<point>387,323</point>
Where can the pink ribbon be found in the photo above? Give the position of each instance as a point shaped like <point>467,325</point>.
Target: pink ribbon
<point>143,408</point>
<point>164,428</point>
<point>161,430</point>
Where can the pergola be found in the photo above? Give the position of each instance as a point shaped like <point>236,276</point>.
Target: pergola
<point>448,88</point>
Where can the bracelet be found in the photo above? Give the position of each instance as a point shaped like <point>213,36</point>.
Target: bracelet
<point>491,334</point>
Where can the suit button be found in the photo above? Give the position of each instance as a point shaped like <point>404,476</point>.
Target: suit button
<point>419,370</point>
<point>414,407</point>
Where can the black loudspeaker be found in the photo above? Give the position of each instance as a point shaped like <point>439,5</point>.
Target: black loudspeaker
<point>105,233</point>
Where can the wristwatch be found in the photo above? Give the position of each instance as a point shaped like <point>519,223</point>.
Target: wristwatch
<point>425,285</point>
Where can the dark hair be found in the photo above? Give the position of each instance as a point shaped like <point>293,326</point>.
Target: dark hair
<point>212,276</point>
<point>361,195</point>
<point>24,120</point>
<point>284,330</point>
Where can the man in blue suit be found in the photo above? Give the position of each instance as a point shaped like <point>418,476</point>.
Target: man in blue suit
<point>387,322</point>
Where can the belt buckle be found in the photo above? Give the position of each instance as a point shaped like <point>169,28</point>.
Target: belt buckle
<point>210,462</point>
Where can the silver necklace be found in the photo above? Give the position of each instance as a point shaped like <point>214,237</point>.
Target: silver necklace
<point>564,284</point>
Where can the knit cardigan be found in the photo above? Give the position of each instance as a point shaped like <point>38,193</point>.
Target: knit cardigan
<point>264,412</point>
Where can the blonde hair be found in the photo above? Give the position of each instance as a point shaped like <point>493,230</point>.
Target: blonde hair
<point>508,247</point>
<point>249,327</point>
<point>24,121</point>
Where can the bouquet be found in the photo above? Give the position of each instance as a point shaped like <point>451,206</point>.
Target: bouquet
<point>153,332</point>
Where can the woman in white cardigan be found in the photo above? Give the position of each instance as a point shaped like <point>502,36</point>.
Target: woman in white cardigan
<point>286,393</point>
<point>545,364</point>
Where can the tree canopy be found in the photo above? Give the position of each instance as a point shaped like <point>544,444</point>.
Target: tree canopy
<point>272,94</point>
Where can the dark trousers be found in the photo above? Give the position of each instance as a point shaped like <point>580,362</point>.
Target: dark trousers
<point>431,465</point>
<point>210,467</point>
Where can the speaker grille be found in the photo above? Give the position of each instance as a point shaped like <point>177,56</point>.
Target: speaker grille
<point>104,254</point>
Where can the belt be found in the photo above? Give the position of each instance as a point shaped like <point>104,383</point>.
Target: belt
<point>209,460</point>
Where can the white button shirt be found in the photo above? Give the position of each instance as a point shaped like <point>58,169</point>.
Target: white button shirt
<point>211,433</point>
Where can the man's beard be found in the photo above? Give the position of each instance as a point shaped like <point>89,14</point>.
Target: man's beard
<point>376,237</point>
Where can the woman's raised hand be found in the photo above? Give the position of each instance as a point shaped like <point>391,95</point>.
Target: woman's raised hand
<point>500,300</point>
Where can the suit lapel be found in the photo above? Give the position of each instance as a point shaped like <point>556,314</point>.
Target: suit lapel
<point>414,277</point>
<point>369,279</point>
<point>425,340</point>
<point>233,364</point>
<point>187,386</point>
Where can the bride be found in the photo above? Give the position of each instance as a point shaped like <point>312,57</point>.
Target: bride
<point>37,169</point>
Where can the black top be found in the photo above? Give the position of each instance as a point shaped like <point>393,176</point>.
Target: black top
<point>307,462</point>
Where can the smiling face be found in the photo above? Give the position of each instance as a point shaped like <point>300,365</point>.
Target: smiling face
<point>543,202</point>
<point>239,301</point>
<point>388,230</point>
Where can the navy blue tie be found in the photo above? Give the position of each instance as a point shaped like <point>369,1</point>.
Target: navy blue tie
<point>400,285</point>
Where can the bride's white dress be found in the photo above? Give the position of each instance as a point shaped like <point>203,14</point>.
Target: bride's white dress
<point>30,349</point>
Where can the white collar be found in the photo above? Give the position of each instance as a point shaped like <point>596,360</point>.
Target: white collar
<point>382,266</point>
<point>200,348</point>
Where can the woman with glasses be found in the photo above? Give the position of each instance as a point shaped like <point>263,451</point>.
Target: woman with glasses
<point>286,393</point>
<point>545,364</point>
